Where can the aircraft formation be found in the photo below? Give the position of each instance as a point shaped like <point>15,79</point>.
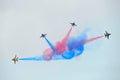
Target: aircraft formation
<point>64,49</point>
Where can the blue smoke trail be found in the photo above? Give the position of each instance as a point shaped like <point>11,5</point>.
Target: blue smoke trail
<point>73,43</point>
<point>51,45</point>
<point>37,58</point>
<point>68,54</point>
<point>40,58</point>
<point>76,45</point>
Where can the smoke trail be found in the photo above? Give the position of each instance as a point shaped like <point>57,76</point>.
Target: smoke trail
<point>93,39</point>
<point>40,58</point>
<point>61,45</point>
<point>68,54</point>
<point>77,49</point>
<point>44,57</point>
<point>73,46</point>
<point>50,44</point>
<point>65,49</point>
<point>37,58</point>
<point>48,54</point>
<point>65,39</point>
<point>77,41</point>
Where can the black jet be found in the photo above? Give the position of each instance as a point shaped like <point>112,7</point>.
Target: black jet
<point>43,35</point>
<point>106,34</point>
<point>15,59</point>
<point>73,24</point>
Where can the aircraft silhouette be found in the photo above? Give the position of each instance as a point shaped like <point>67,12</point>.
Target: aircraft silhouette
<point>15,59</point>
<point>43,35</point>
<point>73,24</point>
<point>106,34</point>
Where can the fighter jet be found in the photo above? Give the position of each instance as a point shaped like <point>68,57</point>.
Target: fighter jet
<point>106,34</point>
<point>15,59</point>
<point>73,24</point>
<point>43,35</point>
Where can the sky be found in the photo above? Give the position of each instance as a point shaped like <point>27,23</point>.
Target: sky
<point>22,22</point>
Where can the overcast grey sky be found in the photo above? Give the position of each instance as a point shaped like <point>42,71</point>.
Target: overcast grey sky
<point>22,22</point>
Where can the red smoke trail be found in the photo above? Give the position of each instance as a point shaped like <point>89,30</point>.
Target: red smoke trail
<point>47,54</point>
<point>65,39</point>
<point>61,45</point>
<point>82,42</point>
<point>93,39</point>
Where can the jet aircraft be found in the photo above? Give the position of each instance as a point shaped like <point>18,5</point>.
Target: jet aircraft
<point>106,34</point>
<point>73,24</point>
<point>15,59</point>
<point>43,35</point>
